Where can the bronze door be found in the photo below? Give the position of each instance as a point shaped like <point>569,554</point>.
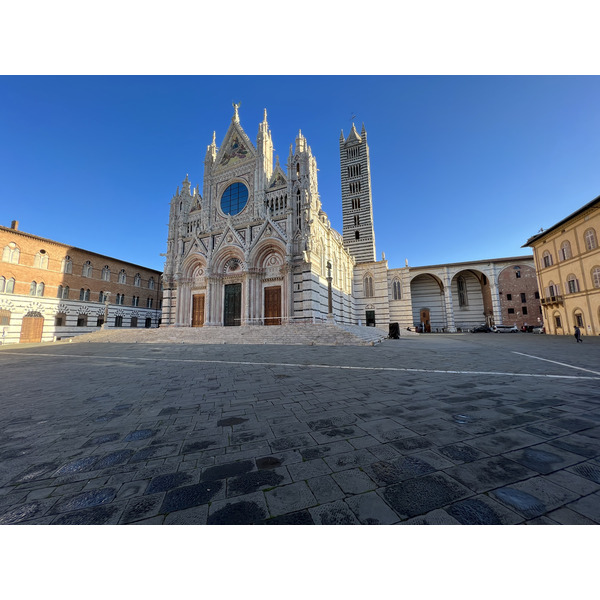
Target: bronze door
<point>198,310</point>
<point>31,329</point>
<point>273,305</point>
<point>424,316</point>
<point>233,305</point>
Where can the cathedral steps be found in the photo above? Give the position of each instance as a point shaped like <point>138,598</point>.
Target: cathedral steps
<point>305,334</point>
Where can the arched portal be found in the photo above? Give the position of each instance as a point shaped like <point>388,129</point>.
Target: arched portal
<point>427,293</point>
<point>191,306</point>
<point>471,299</point>
<point>269,284</point>
<point>32,328</point>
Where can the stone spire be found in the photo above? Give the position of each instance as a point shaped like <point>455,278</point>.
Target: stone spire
<point>236,116</point>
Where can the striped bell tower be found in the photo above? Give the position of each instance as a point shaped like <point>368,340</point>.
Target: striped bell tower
<point>357,205</point>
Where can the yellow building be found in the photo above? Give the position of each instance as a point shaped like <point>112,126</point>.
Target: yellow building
<point>567,263</point>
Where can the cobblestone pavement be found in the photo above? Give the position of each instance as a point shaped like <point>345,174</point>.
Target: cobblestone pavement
<point>436,429</point>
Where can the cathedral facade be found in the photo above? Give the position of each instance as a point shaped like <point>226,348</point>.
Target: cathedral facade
<point>257,248</point>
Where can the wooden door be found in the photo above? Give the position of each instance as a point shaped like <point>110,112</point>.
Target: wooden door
<point>424,316</point>
<point>233,305</point>
<point>31,328</point>
<point>198,310</point>
<point>273,305</point>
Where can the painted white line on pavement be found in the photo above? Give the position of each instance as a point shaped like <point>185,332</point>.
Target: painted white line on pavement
<point>557,363</point>
<point>305,366</point>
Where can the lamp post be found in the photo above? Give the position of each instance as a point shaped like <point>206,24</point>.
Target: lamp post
<point>329,293</point>
<point>105,324</point>
<point>158,288</point>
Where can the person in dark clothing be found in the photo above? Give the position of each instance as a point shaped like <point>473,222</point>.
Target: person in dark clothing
<point>578,334</point>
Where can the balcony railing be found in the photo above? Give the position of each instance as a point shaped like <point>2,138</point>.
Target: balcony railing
<point>549,300</point>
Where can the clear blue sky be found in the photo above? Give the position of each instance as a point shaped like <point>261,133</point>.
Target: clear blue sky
<point>463,167</point>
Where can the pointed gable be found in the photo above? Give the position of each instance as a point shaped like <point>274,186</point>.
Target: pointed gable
<point>278,179</point>
<point>236,147</point>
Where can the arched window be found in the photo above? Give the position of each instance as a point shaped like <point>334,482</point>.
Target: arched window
<point>40,289</point>
<point>65,293</point>
<point>10,286</point>
<point>87,269</point>
<point>557,320</point>
<point>356,221</point>
<point>596,277</point>
<point>106,273</point>
<point>547,259</point>
<point>368,286</point>
<point>396,290</point>
<point>67,265</point>
<point>82,294</point>
<point>572,284</point>
<point>11,253</point>
<point>298,210</point>
<point>137,280</point>
<point>463,299</point>
<point>357,235</point>
<point>151,283</point>
<point>2,284</point>
<point>578,318</point>
<point>122,276</point>
<point>32,288</point>
<point>565,250</point>
<point>40,260</point>
<point>591,242</point>
<point>59,292</point>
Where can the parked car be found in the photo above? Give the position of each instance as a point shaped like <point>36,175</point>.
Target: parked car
<point>505,329</point>
<point>481,329</point>
<point>538,330</point>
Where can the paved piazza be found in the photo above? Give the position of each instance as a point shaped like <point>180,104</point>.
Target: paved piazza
<point>435,429</point>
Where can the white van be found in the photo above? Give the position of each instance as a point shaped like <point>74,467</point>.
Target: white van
<point>505,329</point>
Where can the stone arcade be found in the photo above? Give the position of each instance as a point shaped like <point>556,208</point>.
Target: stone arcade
<point>256,248</point>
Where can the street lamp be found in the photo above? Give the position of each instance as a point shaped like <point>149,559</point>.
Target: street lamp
<point>105,324</point>
<point>329,293</point>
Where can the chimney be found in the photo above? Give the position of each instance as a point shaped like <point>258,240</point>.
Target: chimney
<point>14,225</point>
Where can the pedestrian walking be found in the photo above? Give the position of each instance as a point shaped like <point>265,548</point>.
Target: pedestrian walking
<point>578,334</point>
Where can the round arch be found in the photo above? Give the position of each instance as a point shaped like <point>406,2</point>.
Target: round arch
<point>225,258</point>
<point>428,306</point>
<point>265,251</point>
<point>471,299</point>
<point>192,263</point>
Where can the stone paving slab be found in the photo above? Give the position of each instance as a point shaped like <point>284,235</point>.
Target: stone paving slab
<point>455,429</point>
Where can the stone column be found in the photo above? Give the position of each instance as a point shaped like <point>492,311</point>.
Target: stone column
<point>495,299</point>
<point>184,297</point>
<point>247,291</point>
<point>207,300</point>
<point>447,281</point>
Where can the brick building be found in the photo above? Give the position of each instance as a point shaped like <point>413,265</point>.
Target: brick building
<point>52,290</point>
<point>519,296</point>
